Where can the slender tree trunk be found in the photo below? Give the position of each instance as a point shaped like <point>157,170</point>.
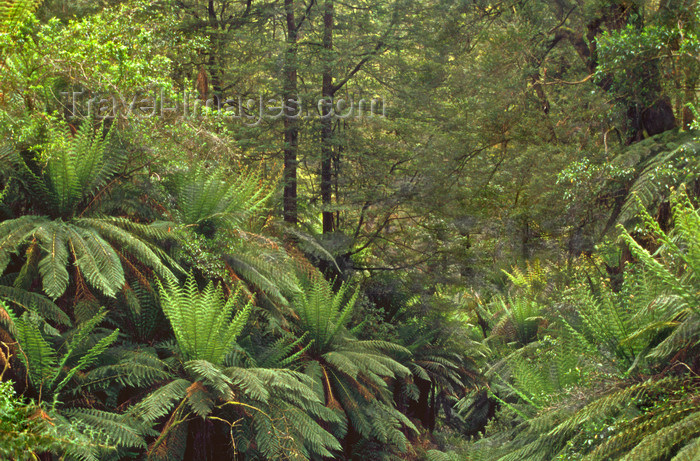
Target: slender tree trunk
<point>291,126</point>
<point>326,119</point>
<point>215,48</point>
<point>336,168</point>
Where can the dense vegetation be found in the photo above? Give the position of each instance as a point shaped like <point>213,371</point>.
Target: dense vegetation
<point>355,230</point>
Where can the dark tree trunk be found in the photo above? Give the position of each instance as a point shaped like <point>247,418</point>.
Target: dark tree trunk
<point>423,409</point>
<point>213,63</point>
<point>327,119</point>
<point>291,126</point>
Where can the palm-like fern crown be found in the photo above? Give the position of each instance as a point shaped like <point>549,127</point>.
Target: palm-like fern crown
<point>322,313</point>
<point>77,168</point>
<point>48,372</point>
<point>208,195</point>
<point>213,212</point>
<point>203,322</point>
<point>349,374</point>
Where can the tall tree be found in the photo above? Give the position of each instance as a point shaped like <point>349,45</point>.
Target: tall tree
<point>292,109</point>
<point>327,91</point>
<point>291,130</point>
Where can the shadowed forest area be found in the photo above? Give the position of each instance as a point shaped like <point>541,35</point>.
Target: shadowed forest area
<point>374,230</point>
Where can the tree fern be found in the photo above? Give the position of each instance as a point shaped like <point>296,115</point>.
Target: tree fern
<point>323,313</point>
<point>665,170</point>
<point>201,383</point>
<point>77,170</point>
<point>350,374</point>
<point>209,195</point>
<point>48,371</point>
<point>651,319</point>
<point>202,321</point>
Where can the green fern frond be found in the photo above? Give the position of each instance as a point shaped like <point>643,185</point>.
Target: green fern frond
<point>663,171</point>
<point>52,266</point>
<point>97,260</point>
<point>127,367</point>
<point>88,359</point>
<point>116,429</point>
<point>38,356</point>
<point>323,313</point>
<point>161,401</point>
<point>659,444</point>
<point>209,195</point>
<point>212,377</point>
<point>202,321</point>
<point>14,233</point>
<point>110,230</point>
<point>34,302</point>
<point>248,381</point>
<point>640,428</point>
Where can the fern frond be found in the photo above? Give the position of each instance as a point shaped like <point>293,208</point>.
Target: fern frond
<point>38,356</point>
<point>128,367</point>
<point>161,401</point>
<point>212,376</point>
<point>660,443</point>
<point>97,260</point>
<point>88,359</point>
<point>209,195</point>
<point>663,171</point>
<point>117,429</point>
<point>128,241</point>
<point>14,233</point>
<point>202,320</point>
<point>34,302</point>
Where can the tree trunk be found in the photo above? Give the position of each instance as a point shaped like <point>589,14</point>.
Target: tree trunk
<point>213,62</point>
<point>647,114</point>
<point>327,119</point>
<point>291,126</point>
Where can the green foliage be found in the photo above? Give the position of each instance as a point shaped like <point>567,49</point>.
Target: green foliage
<point>206,197</point>
<point>284,413</point>
<point>635,331</point>
<point>77,171</point>
<point>50,373</point>
<point>28,430</point>
<point>350,374</point>
<point>218,234</point>
<point>202,321</point>
<point>14,12</point>
<point>324,313</point>
<point>591,353</point>
<point>660,174</point>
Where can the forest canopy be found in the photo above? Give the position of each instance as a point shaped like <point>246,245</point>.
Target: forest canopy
<point>437,230</point>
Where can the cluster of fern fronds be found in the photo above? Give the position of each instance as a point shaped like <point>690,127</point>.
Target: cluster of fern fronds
<point>178,325</point>
<point>604,371</point>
